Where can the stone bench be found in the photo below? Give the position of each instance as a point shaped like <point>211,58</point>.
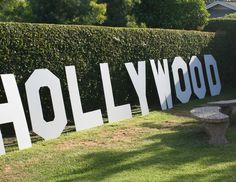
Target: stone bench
<point>214,122</point>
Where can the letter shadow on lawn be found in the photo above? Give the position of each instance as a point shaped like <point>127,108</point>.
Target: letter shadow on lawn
<point>186,145</point>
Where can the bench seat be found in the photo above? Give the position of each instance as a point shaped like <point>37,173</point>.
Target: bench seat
<point>209,114</point>
<point>214,122</point>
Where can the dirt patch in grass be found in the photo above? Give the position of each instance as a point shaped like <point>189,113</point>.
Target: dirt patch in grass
<point>124,136</point>
<point>106,138</point>
<point>13,172</point>
<point>128,133</point>
<point>72,144</point>
<point>7,169</point>
<point>66,145</point>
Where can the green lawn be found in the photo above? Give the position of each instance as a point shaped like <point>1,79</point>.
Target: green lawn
<point>163,146</point>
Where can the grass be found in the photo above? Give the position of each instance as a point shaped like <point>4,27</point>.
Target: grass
<point>163,146</point>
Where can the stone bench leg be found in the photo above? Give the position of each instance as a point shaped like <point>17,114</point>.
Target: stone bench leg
<point>216,132</point>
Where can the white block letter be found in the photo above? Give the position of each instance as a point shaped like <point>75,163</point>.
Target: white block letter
<point>162,80</point>
<point>44,78</point>
<point>139,82</point>
<point>115,113</point>
<point>211,62</point>
<point>82,120</point>
<point>2,148</point>
<point>182,95</point>
<point>13,112</point>
<point>195,64</point>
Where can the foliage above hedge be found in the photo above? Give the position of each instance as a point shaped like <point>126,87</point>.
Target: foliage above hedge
<point>68,12</point>
<point>181,14</point>
<point>177,14</point>
<point>231,16</point>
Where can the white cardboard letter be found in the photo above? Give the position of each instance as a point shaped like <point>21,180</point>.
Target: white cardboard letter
<point>82,120</point>
<point>195,63</point>
<point>162,80</point>
<point>139,82</point>
<point>44,78</point>
<point>2,148</point>
<point>115,113</point>
<point>214,88</point>
<point>13,112</point>
<point>182,95</point>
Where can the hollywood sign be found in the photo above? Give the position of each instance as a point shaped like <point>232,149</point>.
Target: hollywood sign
<point>13,111</point>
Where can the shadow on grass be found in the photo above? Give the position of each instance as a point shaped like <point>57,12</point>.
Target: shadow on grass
<point>184,145</point>
<point>166,152</point>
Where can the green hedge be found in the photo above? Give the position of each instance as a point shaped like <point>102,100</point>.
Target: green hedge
<point>216,24</point>
<point>227,51</point>
<point>26,47</point>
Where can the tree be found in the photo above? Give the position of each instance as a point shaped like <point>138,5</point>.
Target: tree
<point>121,12</point>
<point>68,11</point>
<point>14,10</point>
<point>180,14</point>
<point>230,16</point>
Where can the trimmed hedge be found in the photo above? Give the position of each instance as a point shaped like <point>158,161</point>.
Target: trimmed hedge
<point>26,47</point>
<point>221,24</point>
<point>227,51</point>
